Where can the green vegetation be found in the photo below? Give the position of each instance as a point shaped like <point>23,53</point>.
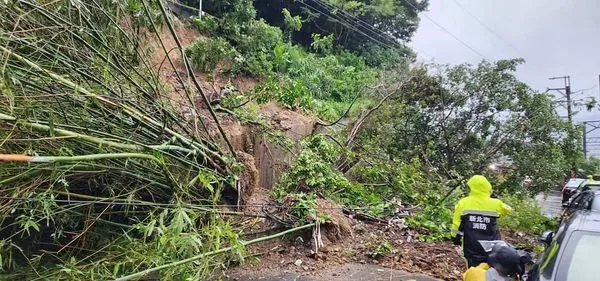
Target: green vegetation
<point>207,53</point>
<point>526,216</point>
<point>382,249</point>
<point>99,169</point>
<point>590,166</point>
<point>107,173</point>
<point>293,76</point>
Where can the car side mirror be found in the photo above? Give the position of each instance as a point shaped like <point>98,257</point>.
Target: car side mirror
<point>546,237</point>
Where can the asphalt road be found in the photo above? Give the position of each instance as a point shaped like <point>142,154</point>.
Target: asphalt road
<point>353,271</point>
<point>550,203</point>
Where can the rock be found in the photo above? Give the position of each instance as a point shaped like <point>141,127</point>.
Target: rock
<point>362,261</point>
<point>298,262</point>
<point>305,268</point>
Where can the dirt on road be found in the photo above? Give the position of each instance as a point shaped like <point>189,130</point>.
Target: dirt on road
<point>351,271</point>
<point>373,252</point>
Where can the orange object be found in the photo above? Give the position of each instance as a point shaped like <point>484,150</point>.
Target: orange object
<point>15,157</point>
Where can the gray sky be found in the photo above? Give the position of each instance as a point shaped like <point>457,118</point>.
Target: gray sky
<point>555,37</point>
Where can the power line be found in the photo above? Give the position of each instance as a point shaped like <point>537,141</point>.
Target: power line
<point>447,31</point>
<point>487,27</point>
<point>346,24</point>
<point>360,21</point>
<point>345,19</point>
<point>491,30</point>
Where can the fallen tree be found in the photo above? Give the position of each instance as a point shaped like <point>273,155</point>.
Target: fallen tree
<point>101,175</point>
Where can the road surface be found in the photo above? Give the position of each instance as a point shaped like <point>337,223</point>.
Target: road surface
<point>353,271</point>
<point>550,203</point>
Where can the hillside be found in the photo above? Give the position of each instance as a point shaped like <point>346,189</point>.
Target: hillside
<point>139,142</point>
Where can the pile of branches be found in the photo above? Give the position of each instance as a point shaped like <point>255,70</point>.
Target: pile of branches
<point>101,176</point>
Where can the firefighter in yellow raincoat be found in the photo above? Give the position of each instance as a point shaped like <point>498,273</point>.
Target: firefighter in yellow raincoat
<point>476,218</point>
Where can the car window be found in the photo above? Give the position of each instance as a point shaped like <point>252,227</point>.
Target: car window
<point>579,262</point>
<point>596,203</point>
<point>572,183</point>
<point>591,186</point>
<point>577,200</point>
<point>586,201</point>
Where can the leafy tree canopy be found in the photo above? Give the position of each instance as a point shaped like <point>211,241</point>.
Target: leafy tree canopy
<point>458,120</point>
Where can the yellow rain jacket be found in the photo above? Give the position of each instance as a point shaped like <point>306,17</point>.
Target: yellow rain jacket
<point>475,217</point>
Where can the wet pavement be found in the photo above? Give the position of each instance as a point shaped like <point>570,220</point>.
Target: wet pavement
<point>348,272</point>
<point>550,203</point>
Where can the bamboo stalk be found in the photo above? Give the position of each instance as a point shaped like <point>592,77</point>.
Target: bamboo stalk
<point>193,76</point>
<point>101,141</point>
<point>131,111</point>
<point>89,157</point>
<point>186,90</point>
<point>204,255</point>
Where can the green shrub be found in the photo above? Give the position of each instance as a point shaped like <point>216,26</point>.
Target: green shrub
<point>295,95</point>
<point>256,45</point>
<point>314,165</point>
<point>235,16</point>
<point>322,44</point>
<point>526,216</point>
<point>206,25</point>
<point>291,23</point>
<point>333,77</point>
<point>377,56</point>
<point>207,53</point>
<point>435,219</point>
<point>382,249</point>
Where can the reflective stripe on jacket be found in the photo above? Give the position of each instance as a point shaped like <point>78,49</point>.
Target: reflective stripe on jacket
<point>476,216</point>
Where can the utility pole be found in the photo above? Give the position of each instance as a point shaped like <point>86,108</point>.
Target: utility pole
<point>200,9</point>
<point>566,94</point>
<point>595,124</point>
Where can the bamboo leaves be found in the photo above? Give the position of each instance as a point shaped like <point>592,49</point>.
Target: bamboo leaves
<point>90,136</point>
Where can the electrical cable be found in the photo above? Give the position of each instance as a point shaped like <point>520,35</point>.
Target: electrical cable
<point>449,33</point>
<point>489,29</point>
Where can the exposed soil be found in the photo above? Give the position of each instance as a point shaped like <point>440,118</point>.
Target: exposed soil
<point>346,242</point>
<point>296,253</point>
<point>439,259</point>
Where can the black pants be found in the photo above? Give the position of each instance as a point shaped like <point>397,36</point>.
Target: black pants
<point>474,261</point>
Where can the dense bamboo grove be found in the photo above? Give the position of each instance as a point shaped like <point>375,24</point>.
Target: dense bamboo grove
<point>99,170</point>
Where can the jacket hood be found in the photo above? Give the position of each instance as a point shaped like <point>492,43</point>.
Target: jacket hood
<point>479,186</point>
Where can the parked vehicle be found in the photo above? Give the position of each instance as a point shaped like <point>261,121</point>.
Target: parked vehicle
<point>588,200</point>
<point>571,252</point>
<point>585,185</point>
<point>569,186</point>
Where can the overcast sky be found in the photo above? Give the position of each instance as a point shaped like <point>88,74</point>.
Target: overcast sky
<point>555,37</point>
